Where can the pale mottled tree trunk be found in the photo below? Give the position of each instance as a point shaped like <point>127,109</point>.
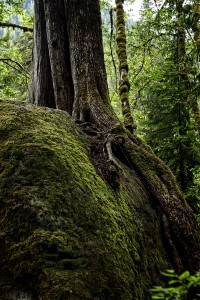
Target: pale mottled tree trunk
<point>124,84</point>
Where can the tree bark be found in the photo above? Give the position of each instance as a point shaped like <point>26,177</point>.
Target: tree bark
<point>72,34</point>
<point>91,100</point>
<point>41,90</point>
<point>124,84</point>
<point>56,29</point>
<point>196,26</point>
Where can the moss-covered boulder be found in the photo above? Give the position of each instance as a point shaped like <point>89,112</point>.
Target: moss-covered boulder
<point>64,232</point>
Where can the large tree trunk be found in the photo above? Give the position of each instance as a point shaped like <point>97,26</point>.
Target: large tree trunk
<point>91,100</point>
<point>56,29</point>
<point>71,30</point>
<point>41,91</point>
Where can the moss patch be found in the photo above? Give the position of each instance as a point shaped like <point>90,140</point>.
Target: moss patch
<point>64,233</point>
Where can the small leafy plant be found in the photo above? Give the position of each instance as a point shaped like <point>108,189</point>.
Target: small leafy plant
<point>178,287</point>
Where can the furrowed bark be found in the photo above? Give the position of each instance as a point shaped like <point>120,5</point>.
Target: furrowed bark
<point>41,90</point>
<point>69,45</point>
<point>57,39</point>
<point>91,96</point>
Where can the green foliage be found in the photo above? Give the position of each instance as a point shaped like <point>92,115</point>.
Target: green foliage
<point>160,95</point>
<point>178,287</point>
<point>15,66</point>
<point>16,51</point>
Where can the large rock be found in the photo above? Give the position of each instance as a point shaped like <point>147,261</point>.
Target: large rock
<point>64,232</point>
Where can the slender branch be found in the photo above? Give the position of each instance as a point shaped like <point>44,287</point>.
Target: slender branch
<point>148,41</point>
<point>21,68</point>
<point>192,39</point>
<point>14,26</point>
<point>11,66</point>
<point>138,94</point>
<point>142,65</point>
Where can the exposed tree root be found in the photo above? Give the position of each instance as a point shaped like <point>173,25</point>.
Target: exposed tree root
<point>112,158</point>
<point>169,245</point>
<point>118,153</point>
<point>180,231</point>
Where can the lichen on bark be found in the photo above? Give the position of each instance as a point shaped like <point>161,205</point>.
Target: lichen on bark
<point>124,84</point>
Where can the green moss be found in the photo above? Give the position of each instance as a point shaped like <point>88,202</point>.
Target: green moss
<point>123,66</point>
<point>65,234</point>
<point>121,38</point>
<point>123,90</point>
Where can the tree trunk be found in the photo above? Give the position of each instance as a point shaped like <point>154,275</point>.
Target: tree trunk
<point>56,29</point>
<point>91,99</point>
<point>196,27</point>
<point>74,42</point>
<point>41,91</point>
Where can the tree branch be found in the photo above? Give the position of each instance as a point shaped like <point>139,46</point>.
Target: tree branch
<point>21,68</point>
<point>24,28</point>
